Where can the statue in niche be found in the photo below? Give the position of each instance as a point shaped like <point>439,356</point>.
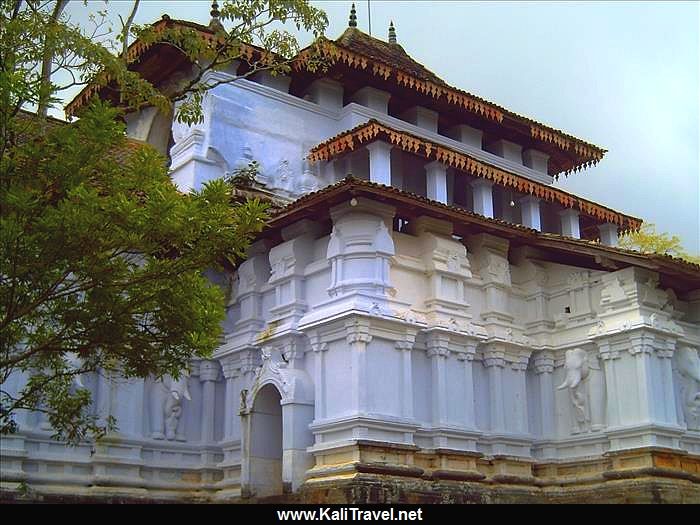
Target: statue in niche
<point>577,369</point>
<point>688,365</point>
<point>244,404</point>
<point>75,363</point>
<point>175,390</point>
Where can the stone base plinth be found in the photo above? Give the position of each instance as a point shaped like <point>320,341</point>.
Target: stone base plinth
<point>371,472</point>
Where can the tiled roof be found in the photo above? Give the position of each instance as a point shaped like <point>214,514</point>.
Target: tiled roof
<point>318,203</point>
<point>385,52</point>
<point>361,51</point>
<point>373,130</point>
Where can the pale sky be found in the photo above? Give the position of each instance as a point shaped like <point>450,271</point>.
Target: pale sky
<point>621,75</point>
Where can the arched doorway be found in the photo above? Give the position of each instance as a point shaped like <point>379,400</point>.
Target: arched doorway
<point>265,452</point>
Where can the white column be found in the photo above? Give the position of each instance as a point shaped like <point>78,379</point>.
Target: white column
<point>483,197</point>
<point>232,400</point>
<point>544,366</point>
<point>467,135</point>
<point>508,150</point>
<point>611,366</point>
<point>467,359</point>
<point>436,181</point>
<point>380,162</point>
<point>422,117</point>
<point>326,93</point>
<point>437,352</point>
<point>530,210</point>
<point>570,223</point>
<point>405,347</point>
<point>208,374</point>
<point>358,338</point>
<point>373,98</point>
<point>266,78</point>
<point>521,397</point>
<point>608,233</point>
<point>536,160</point>
<point>494,363</point>
<point>319,350</point>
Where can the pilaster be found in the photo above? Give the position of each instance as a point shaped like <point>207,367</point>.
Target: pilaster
<point>530,211</point>
<point>482,191</point>
<point>608,234</point>
<point>436,181</point>
<point>208,375</point>
<point>380,162</point>
<point>570,226</point>
<point>358,338</point>
<point>543,366</point>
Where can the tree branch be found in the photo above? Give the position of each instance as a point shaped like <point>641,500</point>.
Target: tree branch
<point>126,28</point>
<point>45,85</point>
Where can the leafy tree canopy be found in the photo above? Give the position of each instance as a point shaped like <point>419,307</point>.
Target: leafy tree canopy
<point>648,240</point>
<point>102,259</point>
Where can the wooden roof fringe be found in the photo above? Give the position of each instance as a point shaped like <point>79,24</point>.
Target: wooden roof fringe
<point>249,52</point>
<point>358,50</point>
<point>318,203</point>
<point>373,130</point>
<point>361,51</point>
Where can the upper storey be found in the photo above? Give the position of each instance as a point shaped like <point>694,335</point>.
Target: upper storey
<point>416,94</point>
<point>436,142</point>
<point>382,76</point>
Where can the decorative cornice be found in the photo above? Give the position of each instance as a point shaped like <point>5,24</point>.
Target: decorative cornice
<point>494,360</point>
<point>230,367</point>
<point>588,154</point>
<point>319,347</point>
<point>437,351</point>
<point>357,331</point>
<point>403,345</point>
<point>374,130</point>
<point>209,370</point>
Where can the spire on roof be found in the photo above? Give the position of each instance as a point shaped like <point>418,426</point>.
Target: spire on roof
<point>392,33</point>
<point>353,17</point>
<point>215,24</point>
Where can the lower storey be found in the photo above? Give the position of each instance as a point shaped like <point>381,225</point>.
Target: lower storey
<point>376,473</point>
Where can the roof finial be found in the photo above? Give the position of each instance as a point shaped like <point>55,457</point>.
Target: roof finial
<point>353,16</point>
<point>392,33</point>
<point>215,24</point>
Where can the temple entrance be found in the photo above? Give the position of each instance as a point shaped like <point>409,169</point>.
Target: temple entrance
<point>266,443</point>
<point>276,418</point>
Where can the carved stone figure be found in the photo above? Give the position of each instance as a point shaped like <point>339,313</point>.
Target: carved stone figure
<point>577,369</point>
<point>244,405</point>
<point>175,391</point>
<point>688,365</point>
<point>75,362</point>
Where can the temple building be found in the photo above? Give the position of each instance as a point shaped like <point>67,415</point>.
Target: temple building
<point>426,316</point>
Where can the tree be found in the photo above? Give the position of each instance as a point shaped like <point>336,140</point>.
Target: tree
<point>102,259</point>
<point>648,240</point>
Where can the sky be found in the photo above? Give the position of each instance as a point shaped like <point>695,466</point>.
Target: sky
<point>622,75</point>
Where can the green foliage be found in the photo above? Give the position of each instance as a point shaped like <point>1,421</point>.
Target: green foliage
<point>648,240</point>
<point>246,175</point>
<point>248,22</point>
<point>102,259</point>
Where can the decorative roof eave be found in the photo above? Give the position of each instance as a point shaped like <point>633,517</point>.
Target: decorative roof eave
<point>587,154</point>
<point>317,203</point>
<point>136,50</point>
<point>373,130</point>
